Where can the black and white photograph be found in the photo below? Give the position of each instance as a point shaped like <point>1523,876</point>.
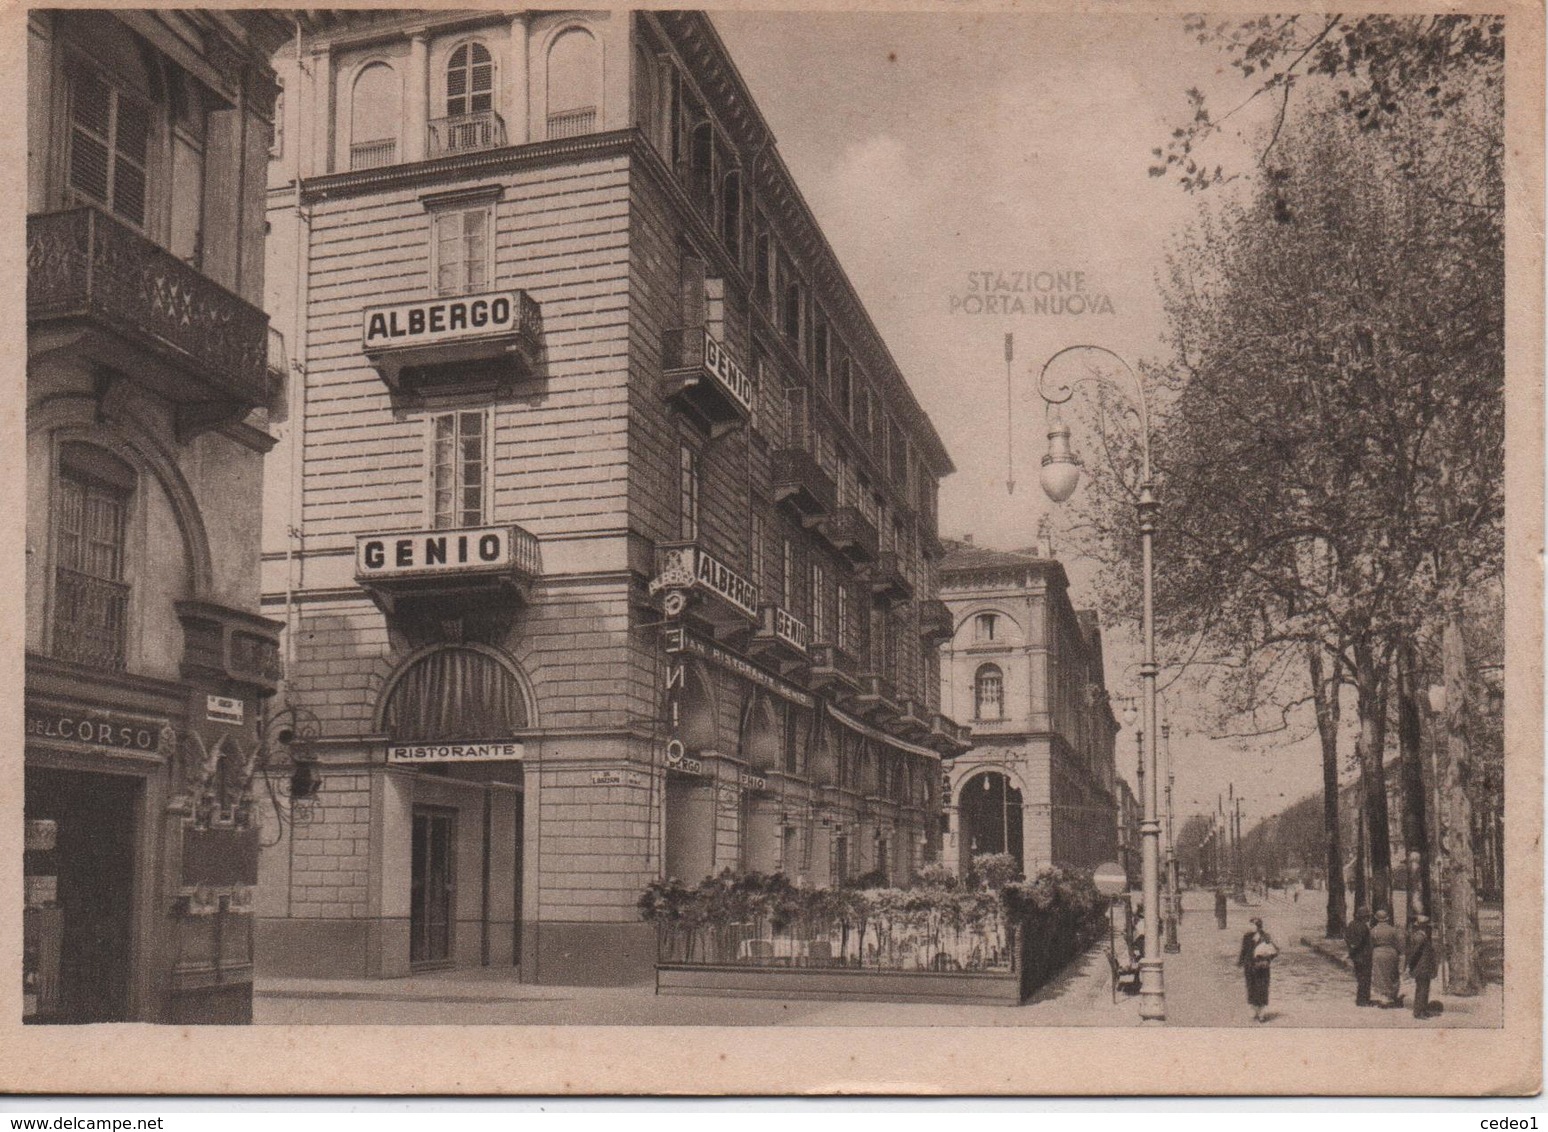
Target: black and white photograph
<point>834,522</point>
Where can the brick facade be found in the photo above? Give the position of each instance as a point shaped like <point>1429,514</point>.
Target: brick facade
<point>626,235</point>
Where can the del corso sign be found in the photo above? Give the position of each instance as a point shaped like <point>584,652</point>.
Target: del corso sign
<point>102,730</point>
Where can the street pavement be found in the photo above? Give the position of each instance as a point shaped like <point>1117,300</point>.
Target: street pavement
<point>1203,984</point>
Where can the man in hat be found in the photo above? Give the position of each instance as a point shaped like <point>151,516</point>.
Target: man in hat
<point>1357,934</point>
<point>1421,963</point>
<point>1220,908</point>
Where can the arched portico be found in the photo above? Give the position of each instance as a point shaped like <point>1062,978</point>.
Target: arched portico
<point>989,817</point>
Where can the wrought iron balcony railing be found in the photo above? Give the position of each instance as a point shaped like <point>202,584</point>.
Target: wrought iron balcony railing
<point>852,534</point>
<point>91,619</point>
<point>83,265</point>
<point>889,582</point>
<point>799,483</point>
<point>465,133</point>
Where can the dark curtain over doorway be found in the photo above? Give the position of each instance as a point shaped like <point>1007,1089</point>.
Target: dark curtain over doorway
<point>454,693</point>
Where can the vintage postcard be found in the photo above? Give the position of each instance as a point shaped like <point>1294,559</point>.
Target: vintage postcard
<point>990,549</point>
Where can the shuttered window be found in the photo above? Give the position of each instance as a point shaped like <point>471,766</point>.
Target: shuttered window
<point>462,251</point>
<point>458,462</point>
<point>469,80</point>
<point>109,146</point>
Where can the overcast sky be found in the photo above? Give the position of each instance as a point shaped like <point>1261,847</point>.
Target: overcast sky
<point>934,148</point>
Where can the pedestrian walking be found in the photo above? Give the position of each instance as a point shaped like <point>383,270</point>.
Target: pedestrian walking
<point>1220,908</point>
<point>1421,963</point>
<point>1385,947</point>
<point>1255,959</point>
<point>1357,934</point>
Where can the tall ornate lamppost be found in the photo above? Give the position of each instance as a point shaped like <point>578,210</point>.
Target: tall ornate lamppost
<point>1060,476</point>
<point>1173,889</point>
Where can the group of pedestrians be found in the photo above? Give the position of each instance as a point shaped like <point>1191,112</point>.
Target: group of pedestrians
<point>1376,950</point>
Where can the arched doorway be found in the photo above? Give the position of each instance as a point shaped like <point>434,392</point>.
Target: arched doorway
<point>989,818</point>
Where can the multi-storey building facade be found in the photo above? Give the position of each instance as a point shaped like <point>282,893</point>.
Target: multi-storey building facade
<point>149,369</point>
<point>604,523</point>
<point>1024,669</point>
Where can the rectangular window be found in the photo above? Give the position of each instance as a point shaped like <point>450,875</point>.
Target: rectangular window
<point>843,616</point>
<point>755,565</point>
<point>688,495</point>
<point>91,599</point>
<point>819,604</point>
<point>109,147</point>
<point>787,576</point>
<point>462,244</point>
<point>459,459</point>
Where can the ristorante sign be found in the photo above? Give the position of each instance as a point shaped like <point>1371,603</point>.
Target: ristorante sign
<point>441,320</point>
<point>501,750</point>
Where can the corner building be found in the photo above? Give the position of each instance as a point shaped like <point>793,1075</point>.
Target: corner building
<point>150,371</point>
<point>1024,669</point>
<point>603,525</point>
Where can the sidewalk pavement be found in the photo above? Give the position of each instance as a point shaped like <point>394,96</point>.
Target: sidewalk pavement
<point>1204,987</point>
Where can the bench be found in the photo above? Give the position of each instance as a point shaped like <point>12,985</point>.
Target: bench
<point>1124,976</point>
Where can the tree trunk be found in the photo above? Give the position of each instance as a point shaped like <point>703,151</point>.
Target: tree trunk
<point>1416,826</point>
<point>1371,685</point>
<point>1459,916</point>
<point>1361,897</point>
<point>1325,700</point>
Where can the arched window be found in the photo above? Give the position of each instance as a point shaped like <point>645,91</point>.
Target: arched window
<point>574,84</point>
<point>374,115</point>
<point>469,81</point>
<point>989,693</point>
<point>454,693</point>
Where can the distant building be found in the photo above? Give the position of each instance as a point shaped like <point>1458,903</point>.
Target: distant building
<point>1129,849</point>
<point>604,525</point>
<point>150,367</point>
<point>1024,670</point>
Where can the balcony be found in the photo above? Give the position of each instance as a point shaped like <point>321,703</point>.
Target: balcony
<point>913,719</point>
<point>833,668</point>
<point>889,584</point>
<point>876,698</point>
<point>230,646</point>
<point>373,154</point>
<point>780,637</point>
<point>799,483</point>
<point>154,317</point>
<point>91,619</point>
<point>936,623</point>
<point>572,123</point>
<point>277,360</point>
<point>465,133</point>
<point>851,534</point>
<point>700,377</point>
<point>469,565</point>
<point>695,582</point>
<point>455,343</point>
<point>949,737</point>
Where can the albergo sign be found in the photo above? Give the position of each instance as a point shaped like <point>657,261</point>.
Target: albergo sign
<point>440,320</point>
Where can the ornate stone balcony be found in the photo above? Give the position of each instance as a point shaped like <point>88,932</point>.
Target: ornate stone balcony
<point>226,645</point>
<point>851,534</point>
<point>913,719</point>
<point>935,621</point>
<point>889,584</point>
<point>949,737</point>
<point>834,668</point>
<point>157,319</point>
<point>800,484</point>
<point>876,698</point>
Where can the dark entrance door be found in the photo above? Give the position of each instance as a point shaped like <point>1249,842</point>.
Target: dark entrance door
<point>989,810</point>
<point>79,952</point>
<point>432,886</point>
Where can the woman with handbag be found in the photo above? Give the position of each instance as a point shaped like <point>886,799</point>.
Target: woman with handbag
<point>1256,957</point>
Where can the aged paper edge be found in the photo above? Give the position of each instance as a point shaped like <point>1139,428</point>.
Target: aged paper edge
<point>139,1059</point>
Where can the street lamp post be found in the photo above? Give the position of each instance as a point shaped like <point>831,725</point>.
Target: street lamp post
<point>1060,475</point>
<point>1173,889</point>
